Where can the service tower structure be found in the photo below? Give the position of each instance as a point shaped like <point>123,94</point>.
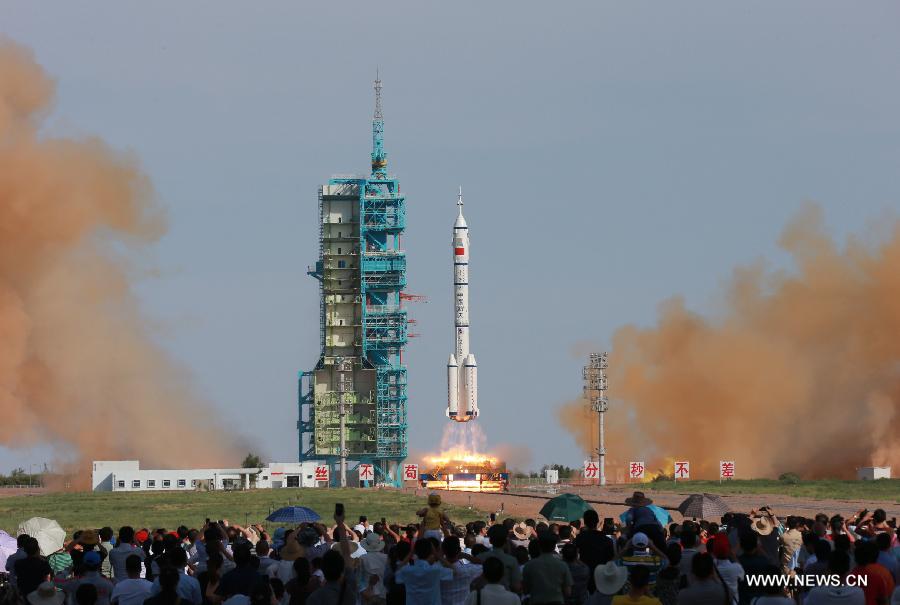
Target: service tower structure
<point>352,406</point>
<point>462,371</point>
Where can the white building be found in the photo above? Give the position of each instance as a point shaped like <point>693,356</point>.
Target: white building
<point>870,473</point>
<point>127,476</point>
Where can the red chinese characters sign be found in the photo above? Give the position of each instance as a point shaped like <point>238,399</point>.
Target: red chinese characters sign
<point>322,474</point>
<point>410,472</point>
<point>726,469</point>
<point>366,472</point>
<point>682,469</point>
<point>636,470</point>
<point>591,470</point>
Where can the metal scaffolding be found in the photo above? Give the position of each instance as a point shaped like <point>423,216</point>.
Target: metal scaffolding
<point>352,406</point>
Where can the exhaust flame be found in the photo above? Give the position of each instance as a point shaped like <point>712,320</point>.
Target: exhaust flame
<point>798,364</point>
<point>460,455</point>
<point>78,368</point>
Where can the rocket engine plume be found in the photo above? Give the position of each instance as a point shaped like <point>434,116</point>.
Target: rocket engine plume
<point>800,373</point>
<point>78,369</point>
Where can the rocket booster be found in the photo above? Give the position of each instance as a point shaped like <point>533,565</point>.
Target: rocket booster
<point>462,371</point>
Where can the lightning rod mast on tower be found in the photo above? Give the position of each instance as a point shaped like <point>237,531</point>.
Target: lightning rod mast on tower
<point>595,391</point>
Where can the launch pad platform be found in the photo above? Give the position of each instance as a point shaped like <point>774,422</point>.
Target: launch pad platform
<point>479,475</point>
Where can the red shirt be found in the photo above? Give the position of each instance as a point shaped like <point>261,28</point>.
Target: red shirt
<point>879,583</point>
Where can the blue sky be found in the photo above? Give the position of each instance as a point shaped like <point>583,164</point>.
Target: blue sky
<point>612,155</point>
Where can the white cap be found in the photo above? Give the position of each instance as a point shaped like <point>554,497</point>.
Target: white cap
<point>640,540</point>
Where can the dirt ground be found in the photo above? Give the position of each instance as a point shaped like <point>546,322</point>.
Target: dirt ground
<point>608,502</point>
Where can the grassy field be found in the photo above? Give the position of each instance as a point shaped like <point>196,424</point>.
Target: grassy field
<point>883,489</point>
<point>170,509</point>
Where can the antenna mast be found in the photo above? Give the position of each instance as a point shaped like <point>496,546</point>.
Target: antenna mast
<point>595,391</point>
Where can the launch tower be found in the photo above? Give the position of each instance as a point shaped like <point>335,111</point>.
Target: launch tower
<point>352,406</point>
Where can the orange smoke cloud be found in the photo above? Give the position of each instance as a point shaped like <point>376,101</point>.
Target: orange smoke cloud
<point>78,369</point>
<point>800,373</point>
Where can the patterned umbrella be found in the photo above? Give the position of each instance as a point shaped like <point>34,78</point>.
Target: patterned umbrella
<point>565,507</point>
<point>703,506</point>
<point>47,532</point>
<point>294,514</point>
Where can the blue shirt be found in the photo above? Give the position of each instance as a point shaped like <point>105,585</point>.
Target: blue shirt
<point>423,582</point>
<point>188,588</point>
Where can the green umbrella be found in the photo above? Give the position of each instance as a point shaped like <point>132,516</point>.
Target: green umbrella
<point>565,507</point>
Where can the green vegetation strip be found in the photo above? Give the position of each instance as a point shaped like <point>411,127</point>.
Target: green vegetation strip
<point>170,509</point>
<point>825,489</point>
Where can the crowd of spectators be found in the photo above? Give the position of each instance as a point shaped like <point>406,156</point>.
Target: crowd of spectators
<point>756,558</point>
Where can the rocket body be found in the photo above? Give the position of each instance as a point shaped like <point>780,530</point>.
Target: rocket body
<point>462,371</point>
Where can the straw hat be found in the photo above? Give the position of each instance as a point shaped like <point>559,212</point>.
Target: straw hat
<point>46,594</point>
<point>638,499</point>
<point>356,551</point>
<point>762,525</point>
<point>291,551</point>
<point>89,537</point>
<point>610,578</point>
<point>373,543</point>
<point>520,531</point>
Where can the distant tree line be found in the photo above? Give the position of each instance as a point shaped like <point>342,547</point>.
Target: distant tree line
<point>18,476</point>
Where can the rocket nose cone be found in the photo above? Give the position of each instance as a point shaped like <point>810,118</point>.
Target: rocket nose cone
<point>470,359</point>
<point>452,360</point>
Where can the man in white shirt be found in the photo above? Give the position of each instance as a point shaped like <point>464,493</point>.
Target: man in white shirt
<point>455,591</point>
<point>122,551</point>
<point>494,593</point>
<point>131,590</point>
<point>372,565</point>
<point>423,577</point>
<point>363,526</point>
<point>265,561</point>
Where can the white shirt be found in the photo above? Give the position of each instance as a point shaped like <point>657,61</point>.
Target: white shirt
<point>361,529</point>
<point>265,563</point>
<point>493,594</point>
<point>373,564</point>
<point>283,570</point>
<point>131,592</point>
<point>731,573</point>
<point>118,555</point>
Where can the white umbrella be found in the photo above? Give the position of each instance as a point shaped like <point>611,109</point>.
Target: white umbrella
<point>7,547</point>
<point>47,532</point>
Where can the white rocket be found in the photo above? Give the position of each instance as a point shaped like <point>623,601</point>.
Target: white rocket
<point>462,372</point>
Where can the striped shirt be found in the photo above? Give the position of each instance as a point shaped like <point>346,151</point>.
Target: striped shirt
<point>652,562</point>
<point>455,591</point>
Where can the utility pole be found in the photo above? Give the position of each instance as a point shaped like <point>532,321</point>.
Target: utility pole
<point>595,391</point>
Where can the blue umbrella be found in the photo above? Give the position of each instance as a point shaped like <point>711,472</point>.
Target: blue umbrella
<point>294,514</point>
<point>661,514</point>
